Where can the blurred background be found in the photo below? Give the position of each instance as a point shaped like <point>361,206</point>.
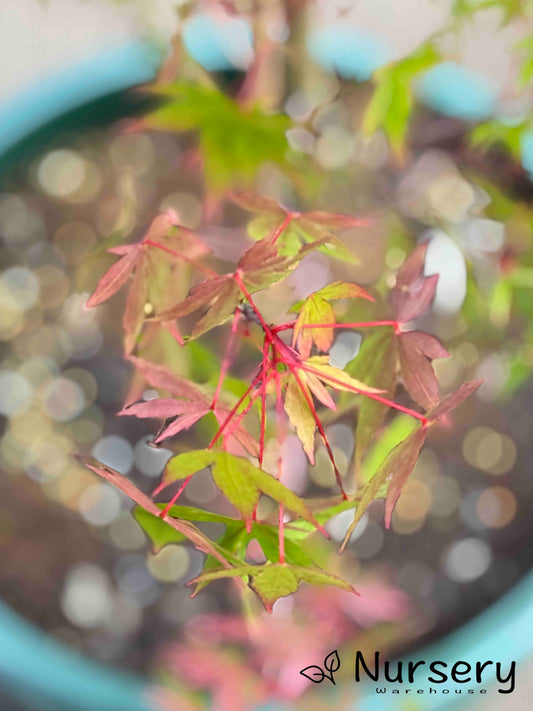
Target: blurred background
<point>444,153</point>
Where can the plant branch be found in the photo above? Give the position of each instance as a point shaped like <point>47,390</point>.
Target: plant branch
<point>281,433</point>
<point>234,410</point>
<point>286,222</point>
<point>264,326</point>
<point>227,357</point>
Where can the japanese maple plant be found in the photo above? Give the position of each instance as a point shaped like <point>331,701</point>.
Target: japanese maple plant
<point>292,388</point>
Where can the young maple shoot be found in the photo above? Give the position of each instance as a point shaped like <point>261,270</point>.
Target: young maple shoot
<point>293,384</point>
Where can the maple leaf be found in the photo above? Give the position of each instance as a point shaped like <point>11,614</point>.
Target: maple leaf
<point>234,141</point>
<point>180,413</point>
<point>316,318</point>
<point>117,275</point>
<point>335,377</point>
<point>395,471</point>
<point>453,399</point>
<point>239,480</point>
<point>189,531</point>
<point>416,349</point>
<point>294,228</point>
<point>163,378</point>
<point>413,292</point>
<point>156,280</point>
<point>274,580</point>
<point>311,375</point>
<point>400,464</point>
<point>315,310</point>
<point>301,417</point>
<point>260,267</point>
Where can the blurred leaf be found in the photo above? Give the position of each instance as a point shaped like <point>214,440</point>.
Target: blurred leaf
<point>162,378</point>
<point>496,132</point>
<point>392,102</point>
<point>182,414</point>
<point>133,320</point>
<point>234,141</point>
<point>466,9</point>
<point>518,374</point>
<point>526,69</point>
<point>500,302</point>
<point>291,229</point>
<point>376,365</point>
<point>164,234</point>
<point>454,399</point>
<point>205,364</point>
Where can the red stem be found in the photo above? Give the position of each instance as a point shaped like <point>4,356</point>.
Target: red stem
<point>227,357</point>
<point>281,433</point>
<point>234,410</point>
<point>176,496</point>
<point>356,324</point>
<point>253,398</point>
<point>279,231</point>
<point>263,403</point>
<point>240,284</point>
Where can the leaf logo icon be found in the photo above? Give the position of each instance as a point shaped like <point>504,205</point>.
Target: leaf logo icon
<point>317,675</point>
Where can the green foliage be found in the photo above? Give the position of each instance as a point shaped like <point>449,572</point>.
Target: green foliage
<point>509,9</point>
<point>234,141</point>
<point>157,530</point>
<point>273,580</point>
<point>392,102</point>
<point>375,365</point>
<point>293,229</point>
<point>498,133</point>
<point>238,479</point>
